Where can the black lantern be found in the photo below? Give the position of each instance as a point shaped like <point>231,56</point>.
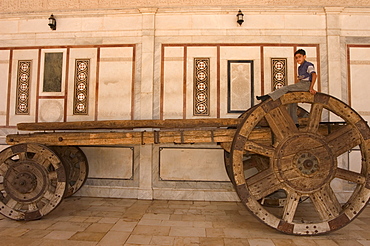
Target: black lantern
<point>240,17</point>
<point>52,22</point>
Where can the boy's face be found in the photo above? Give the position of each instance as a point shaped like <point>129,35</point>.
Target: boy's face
<point>299,58</point>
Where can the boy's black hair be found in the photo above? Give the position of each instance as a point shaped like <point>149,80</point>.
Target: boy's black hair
<point>300,51</point>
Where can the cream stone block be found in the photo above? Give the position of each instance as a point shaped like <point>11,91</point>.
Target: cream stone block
<point>23,55</point>
<point>9,26</point>
<point>33,25</point>
<point>201,52</point>
<point>4,71</point>
<point>82,53</point>
<point>192,164</point>
<point>238,53</point>
<point>304,22</point>
<point>124,22</point>
<point>115,83</point>
<point>173,83</point>
<point>109,162</point>
<point>173,21</point>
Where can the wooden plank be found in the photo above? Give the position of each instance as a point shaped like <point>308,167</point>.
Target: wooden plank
<point>136,137</point>
<point>129,124</point>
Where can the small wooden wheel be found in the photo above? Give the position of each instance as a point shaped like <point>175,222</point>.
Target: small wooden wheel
<point>76,166</point>
<point>303,163</point>
<point>33,181</point>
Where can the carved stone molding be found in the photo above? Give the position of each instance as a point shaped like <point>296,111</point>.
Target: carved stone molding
<point>16,6</point>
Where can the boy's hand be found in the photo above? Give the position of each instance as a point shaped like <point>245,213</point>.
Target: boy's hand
<point>312,91</point>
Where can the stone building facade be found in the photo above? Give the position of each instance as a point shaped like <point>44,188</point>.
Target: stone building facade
<point>119,59</point>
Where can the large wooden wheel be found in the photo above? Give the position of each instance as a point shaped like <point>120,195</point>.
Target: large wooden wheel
<point>76,166</point>
<point>303,163</point>
<point>32,181</point>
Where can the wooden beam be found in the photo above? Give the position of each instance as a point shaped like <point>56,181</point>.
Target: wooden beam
<point>262,135</point>
<point>130,124</point>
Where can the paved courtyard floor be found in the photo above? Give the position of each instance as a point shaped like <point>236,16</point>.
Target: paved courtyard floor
<point>107,221</point>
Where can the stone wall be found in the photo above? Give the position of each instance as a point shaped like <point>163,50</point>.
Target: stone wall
<point>141,59</point>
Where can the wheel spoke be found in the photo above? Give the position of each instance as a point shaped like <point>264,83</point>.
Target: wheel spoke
<point>281,123</point>
<point>259,148</point>
<point>33,206</point>
<point>326,203</point>
<point>290,207</point>
<point>5,166</point>
<point>343,140</point>
<point>314,118</point>
<point>350,176</point>
<point>263,184</point>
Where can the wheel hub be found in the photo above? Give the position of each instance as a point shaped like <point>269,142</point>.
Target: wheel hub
<point>304,162</point>
<point>25,181</point>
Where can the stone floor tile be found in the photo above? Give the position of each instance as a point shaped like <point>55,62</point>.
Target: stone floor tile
<point>60,235</point>
<point>261,242</point>
<point>69,226</point>
<point>99,227</point>
<point>237,233</point>
<point>285,242</point>
<point>236,242</point>
<point>151,230</point>
<point>343,242</point>
<point>109,220</point>
<point>123,225</point>
<point>180,231</point>
<point>364,242</point>
<point>139,239</point>
<point>114,238</point>
<point>188,241</point>
<point>88,236</point>
<point>215,232</point>
<point>35,233</point>
<point>13,232</point>
<point>162,240</point>
<point>211,241</point>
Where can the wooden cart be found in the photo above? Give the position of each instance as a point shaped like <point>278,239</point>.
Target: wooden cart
<point>39,169</point>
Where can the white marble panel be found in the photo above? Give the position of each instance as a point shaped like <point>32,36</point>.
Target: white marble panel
<point>115,83</point>
<point>51,110</point>
<point>237,53</point>
<point>360,99</point>
<point>109,162</point>
<point>192,164</point>
<point>23,55</point>
<point>173,83</point>
<point>359,67</point>
<point>4,73</point>
<point>201,52</point>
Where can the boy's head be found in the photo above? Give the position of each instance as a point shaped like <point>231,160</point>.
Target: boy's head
<point>300,56</point>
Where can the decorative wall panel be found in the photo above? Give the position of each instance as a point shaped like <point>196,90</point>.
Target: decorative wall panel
<point>53,69</point>
<point>23,87</point>
<point>201,86</point>
<point>240,85</point>
<point>80,102</point>
<point>279,72</point>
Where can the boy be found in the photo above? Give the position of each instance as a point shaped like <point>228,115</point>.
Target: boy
<point>305,81</point>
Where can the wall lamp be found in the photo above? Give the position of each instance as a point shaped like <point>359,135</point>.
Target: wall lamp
<point>52,22</point>
<point>240,17</point>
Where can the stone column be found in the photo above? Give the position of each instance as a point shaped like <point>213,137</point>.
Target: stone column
<point>333,31</point>
<point>146,98</point>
